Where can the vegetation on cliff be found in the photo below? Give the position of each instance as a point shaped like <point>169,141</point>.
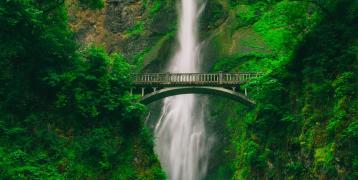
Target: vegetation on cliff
<point>65,112</point>
<point>305,123</point>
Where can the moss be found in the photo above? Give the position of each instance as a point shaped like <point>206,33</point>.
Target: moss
<point>156,59</point>
<point>136,30</point>
<point>324,161</point>
<point>155,6</point>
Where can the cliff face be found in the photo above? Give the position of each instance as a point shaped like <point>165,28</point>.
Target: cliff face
<point>144,31</point>
<point>138,29</point>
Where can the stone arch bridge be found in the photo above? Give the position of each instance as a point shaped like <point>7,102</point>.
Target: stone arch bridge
<point>155,86</point>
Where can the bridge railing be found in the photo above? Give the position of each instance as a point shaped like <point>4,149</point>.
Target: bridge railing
<point>193,78</point>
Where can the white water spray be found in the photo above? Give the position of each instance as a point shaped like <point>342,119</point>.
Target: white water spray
<point>181,140</point>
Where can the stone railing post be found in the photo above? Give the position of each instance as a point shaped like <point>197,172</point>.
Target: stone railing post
<point>167,77</point>
<point>221,77</point>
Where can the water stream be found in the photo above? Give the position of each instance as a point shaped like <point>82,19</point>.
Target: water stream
<point>181,139</point>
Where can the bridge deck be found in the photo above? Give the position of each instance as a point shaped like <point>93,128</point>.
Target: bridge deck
<point>193,79</point>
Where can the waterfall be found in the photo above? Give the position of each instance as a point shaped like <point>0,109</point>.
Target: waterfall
<point>181,140</point>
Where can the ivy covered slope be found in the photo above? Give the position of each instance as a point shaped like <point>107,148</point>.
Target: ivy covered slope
<point>65,112</point>
<point>305,123</point>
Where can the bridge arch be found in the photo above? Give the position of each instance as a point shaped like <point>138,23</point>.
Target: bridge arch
<point>217,91</point>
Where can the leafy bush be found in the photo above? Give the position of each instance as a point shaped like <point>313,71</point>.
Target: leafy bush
<point>65,113</point>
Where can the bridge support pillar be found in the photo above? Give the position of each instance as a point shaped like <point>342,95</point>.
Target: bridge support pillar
<point>143,92</point>
<point>234,89</point>
<point>154,89</point>
<point>245,91</point>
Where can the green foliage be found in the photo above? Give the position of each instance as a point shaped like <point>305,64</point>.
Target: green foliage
<point>250,13</point>
<point>155,6</point>
<point>213,16</point>
<point>324,160</point>
<point>284,26</point>
<point>139,59</point>
<point>97,86</point>
<point>226,64</point>
<point>93,4</point>
<point>352,130</point>
<point>136,30</point>
<point>254,62</point>
<point>346,85</point>
<point>65,113</point>
<point>246,13</point>
<point>304,124</point>
<point>254,159</point>
<point>320,89</point>
<point>295,169</point>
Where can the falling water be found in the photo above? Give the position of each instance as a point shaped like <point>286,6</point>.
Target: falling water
<point>181,140</point>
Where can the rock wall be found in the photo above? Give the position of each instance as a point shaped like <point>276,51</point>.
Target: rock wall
<point>136,28</point>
